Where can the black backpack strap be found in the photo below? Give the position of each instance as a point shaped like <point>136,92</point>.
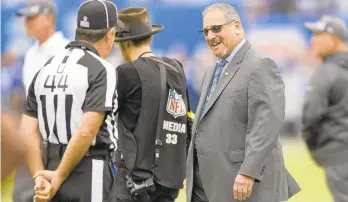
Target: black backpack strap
<point>158,141</point>
<point>164,63</point>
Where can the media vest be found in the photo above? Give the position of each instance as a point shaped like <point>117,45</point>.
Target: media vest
<point>137,149</point>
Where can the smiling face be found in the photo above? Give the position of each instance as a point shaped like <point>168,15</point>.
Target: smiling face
<point>221,34</point>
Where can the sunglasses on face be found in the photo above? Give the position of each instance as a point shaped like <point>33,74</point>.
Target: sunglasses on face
<point>214,29</point>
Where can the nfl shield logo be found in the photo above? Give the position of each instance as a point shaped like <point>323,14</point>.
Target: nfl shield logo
<point>175,105</point>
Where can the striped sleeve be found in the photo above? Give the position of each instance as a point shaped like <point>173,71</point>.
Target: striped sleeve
<point>100,93</point>
<point>30,105</point>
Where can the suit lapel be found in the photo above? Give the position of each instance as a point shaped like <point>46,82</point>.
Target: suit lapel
<point>227,75</point>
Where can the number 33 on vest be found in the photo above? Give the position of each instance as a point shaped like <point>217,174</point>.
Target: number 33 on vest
<point>171,138</point>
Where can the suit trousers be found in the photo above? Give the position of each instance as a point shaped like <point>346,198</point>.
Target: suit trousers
<point>198,194</point>
<point>337,179</point>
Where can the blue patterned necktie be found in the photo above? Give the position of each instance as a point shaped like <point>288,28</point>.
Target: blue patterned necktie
<point>218,71</point>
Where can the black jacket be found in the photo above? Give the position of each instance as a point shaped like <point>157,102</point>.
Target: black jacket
<point>139,90</point>
<point>325,112</point>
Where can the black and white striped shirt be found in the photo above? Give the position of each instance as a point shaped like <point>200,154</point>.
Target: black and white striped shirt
<point>72,82</point>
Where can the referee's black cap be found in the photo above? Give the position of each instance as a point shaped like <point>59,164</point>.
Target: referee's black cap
<point>37,7</point>
<point>98,14</point>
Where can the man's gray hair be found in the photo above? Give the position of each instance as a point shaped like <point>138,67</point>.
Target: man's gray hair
<point>230,13</point>
<point>92,35</point>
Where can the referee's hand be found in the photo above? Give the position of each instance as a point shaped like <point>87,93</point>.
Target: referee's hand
<point>43,189</point>
<point>54,178</point>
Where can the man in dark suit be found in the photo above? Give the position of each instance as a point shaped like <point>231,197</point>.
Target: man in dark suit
<point>235,153</point>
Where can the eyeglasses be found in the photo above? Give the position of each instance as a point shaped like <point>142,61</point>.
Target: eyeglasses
<point>214,29</point>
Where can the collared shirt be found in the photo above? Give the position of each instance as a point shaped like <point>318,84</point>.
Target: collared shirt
<point>228,59</point>
<point>38,55</point>
<point>233,53</point>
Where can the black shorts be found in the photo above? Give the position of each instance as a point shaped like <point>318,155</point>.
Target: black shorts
<point>92,180</point>
<point>162,194</point>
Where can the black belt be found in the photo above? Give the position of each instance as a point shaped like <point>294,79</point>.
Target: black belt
<point>57,151</point>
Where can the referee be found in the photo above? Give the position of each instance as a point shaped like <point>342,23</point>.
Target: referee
<point>71,104</point>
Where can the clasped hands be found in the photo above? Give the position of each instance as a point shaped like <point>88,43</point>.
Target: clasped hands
<point>47,184</point>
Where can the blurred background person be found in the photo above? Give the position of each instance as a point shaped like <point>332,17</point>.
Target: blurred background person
<point>40,21</point>
<point>325,112</point>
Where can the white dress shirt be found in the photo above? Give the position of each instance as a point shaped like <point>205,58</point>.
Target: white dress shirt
<point>38,55</point>
<point>233,53</point>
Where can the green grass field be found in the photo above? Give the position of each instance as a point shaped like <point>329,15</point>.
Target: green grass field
<point>310,177</point>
